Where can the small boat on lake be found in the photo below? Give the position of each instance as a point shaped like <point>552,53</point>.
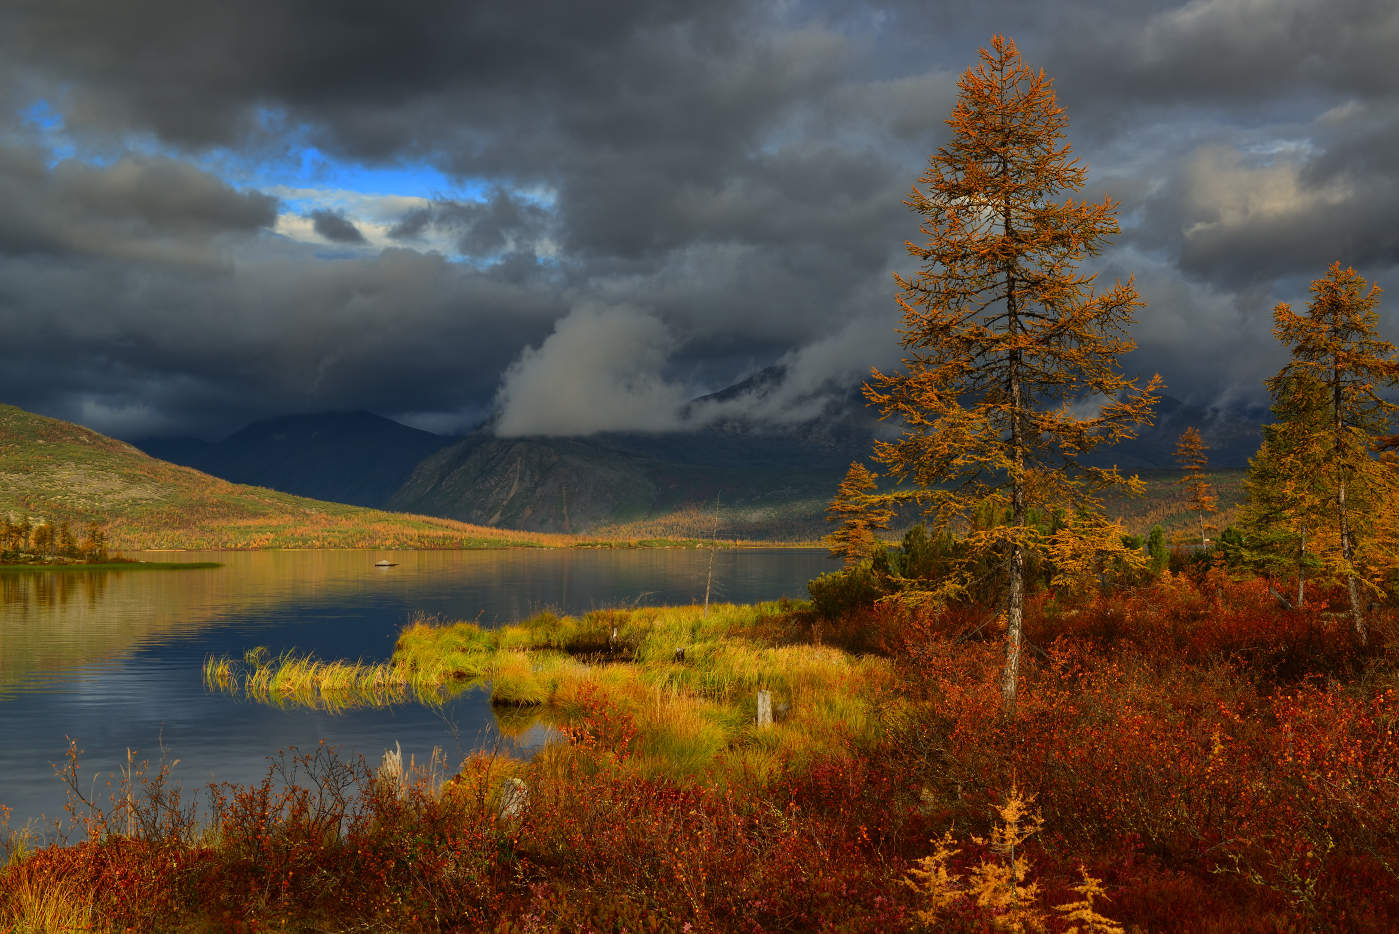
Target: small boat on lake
<point>385,563</point>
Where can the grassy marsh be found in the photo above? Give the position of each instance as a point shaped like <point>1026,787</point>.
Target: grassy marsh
<point>677,685</point>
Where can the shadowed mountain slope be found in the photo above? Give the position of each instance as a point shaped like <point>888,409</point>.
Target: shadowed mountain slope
<point>343,457</point>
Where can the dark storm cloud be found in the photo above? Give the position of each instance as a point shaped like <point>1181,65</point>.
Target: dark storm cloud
<point>203,74</point>
<point>334,226</point>
<point>717,185</point>
<point>136,207</point>
<point>1257,49</point>
<point>412,225</point>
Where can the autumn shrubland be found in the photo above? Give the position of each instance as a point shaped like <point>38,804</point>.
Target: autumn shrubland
<point>1189,752</point>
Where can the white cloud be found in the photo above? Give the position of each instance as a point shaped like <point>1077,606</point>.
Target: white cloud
<point>600,370</point>
<point>1224,194</point>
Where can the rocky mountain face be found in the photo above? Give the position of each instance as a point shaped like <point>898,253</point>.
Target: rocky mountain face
<point>577,484</point>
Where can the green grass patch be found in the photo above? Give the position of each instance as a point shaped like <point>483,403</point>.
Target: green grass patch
<point>110,566</point>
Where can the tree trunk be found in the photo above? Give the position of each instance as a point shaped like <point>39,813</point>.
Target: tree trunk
<point>1015,598</point>
<point>1347,544</point>
<point>1015,615</point>
<point>1301,568</point>
<point>1348,553</point>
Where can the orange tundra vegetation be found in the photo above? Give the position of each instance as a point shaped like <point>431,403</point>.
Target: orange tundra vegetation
<point>1185,756</point>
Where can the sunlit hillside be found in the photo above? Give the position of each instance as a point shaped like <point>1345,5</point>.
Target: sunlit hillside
<point>56,471</point>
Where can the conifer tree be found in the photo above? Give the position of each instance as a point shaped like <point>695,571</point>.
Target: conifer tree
<point>859,513</point>
<point>1191,456</point>
<point>1002,334</point>
<point>1157,555</point>
<point>94,543</point>
<point>1287,492</point>
<point>1335,346</point>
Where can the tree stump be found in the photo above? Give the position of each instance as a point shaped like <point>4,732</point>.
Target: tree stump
<point>514,795</point>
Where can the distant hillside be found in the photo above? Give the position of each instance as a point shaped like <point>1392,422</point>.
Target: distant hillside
<point>343,457</point>
<point>62,472</point>
<point>772,481</point>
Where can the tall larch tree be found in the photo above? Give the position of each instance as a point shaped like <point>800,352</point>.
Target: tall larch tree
<point>1335,346</point>
<point>1193,460</point>
<point>859,512</point>
<point>1004,339</point>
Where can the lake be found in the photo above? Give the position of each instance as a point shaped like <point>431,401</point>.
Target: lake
<point>113,658</point>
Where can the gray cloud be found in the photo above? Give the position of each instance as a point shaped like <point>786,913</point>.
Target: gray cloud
<point>736,170</point>
<point>136,208</point>
<point>335,227</point>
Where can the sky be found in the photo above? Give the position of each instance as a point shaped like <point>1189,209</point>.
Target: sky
<point>570,217</point>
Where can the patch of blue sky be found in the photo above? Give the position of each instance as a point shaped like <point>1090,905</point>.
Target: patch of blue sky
<point>42,115</point>
<point>312,168</point>
<point>299,167</point>
<point>41,118</point>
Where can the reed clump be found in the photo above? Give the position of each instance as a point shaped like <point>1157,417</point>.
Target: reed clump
<point>38,905</point>
<point>686,679</point>
<point>296,679</point>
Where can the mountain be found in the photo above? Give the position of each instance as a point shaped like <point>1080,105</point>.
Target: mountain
<point>56,471</point>
<point>770,456</point>
<point>344,457</point>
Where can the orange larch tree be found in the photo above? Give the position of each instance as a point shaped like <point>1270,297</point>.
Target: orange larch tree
<point>1335,346</point>
<point>1006,344</point>
<point>1191,456</point>
<point>860,513</point>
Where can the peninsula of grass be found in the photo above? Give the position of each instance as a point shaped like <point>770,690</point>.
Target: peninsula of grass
<point>33,567</point>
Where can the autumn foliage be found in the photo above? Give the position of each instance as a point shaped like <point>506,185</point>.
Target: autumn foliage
<point>1002,334</point>
<point>1335,414</point>
<point>859,514</point>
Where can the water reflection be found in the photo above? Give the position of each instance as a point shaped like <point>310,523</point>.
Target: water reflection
<point>26,589</point>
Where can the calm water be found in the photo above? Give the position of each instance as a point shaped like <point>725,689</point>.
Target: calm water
<point>113,659</point>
